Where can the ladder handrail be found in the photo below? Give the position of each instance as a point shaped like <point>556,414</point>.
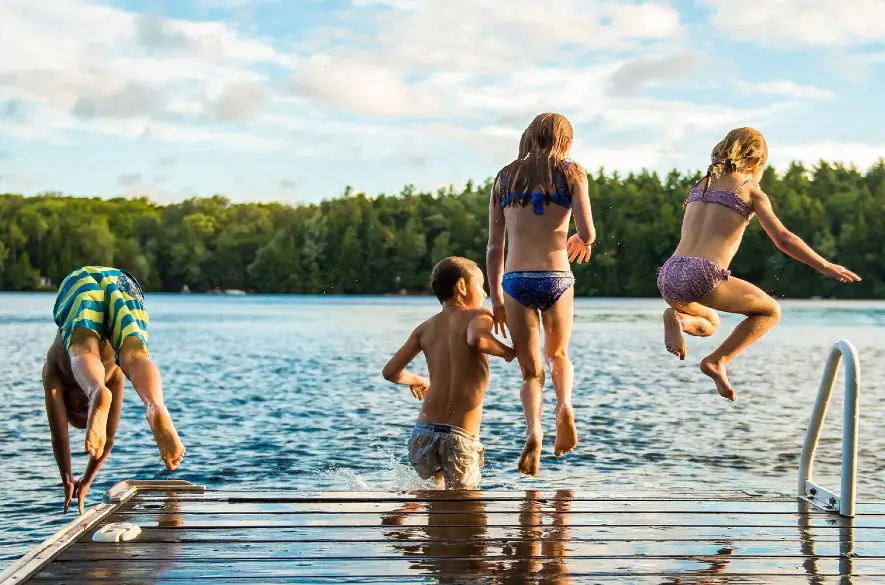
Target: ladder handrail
<point>844,502</point>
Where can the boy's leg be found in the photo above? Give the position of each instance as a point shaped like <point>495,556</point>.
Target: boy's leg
<point>524,329</point>
<point>738,296</point>
<point>692,318</point>
<point>145,378</point>
<point>88,370</point>
<point>558,321</point>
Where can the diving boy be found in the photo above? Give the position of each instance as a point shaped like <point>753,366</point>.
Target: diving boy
<point>456,343</point>
<point>102,337</point>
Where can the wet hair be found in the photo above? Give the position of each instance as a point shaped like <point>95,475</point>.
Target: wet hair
<point>541,159</point>
<point>447,272</point>
<point>740,150</point>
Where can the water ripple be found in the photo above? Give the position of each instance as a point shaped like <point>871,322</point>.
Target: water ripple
<point>283,392</point>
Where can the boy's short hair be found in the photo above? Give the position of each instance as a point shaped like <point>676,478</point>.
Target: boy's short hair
<point>447,272</point>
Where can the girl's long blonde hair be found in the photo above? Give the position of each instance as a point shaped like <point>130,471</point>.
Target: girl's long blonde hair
<point>542,150</point>
<point>740,150</point>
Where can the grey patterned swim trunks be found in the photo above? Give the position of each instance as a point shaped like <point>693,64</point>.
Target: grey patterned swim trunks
<point>447,450</point>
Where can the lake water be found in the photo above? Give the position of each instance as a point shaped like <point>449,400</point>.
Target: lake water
<point>286,392</point>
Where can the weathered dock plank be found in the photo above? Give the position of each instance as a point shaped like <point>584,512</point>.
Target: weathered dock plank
<point>538,536</point>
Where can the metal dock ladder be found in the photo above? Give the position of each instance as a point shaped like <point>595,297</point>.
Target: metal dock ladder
<point>843,503</point>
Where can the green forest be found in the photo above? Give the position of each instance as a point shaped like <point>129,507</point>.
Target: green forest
<point>360,244</point>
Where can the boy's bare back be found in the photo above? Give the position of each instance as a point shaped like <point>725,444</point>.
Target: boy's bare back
<point>444,444</point>
<point>459,372</point>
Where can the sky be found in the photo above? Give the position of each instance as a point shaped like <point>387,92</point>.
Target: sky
<point>293,100</point>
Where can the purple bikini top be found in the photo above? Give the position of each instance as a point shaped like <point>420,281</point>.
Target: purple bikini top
<point>724,197</point>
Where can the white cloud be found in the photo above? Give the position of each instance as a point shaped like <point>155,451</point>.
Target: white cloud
<point>85,66</point>
<point>233,4</point>
<point>637,73</point>
<point>362,88</point>
<point>789,89</point>
<point>239,101</point>
<point>828,23</point>
<point>395,85</point>
<point>861,154</point>
<point>490,37</point>
<point>856,66</point>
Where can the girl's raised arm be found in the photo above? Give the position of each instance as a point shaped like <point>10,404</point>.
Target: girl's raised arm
<point>791,244</point>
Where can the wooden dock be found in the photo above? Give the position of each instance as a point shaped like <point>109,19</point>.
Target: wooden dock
<point>201,537</point>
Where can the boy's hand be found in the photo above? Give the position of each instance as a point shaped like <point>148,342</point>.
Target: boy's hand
<point>82,489</point>
<point>70,487</point>
<point>419,389</point>
<point>839,273</point>
<point>499,316</point>
<point>511,355</point>
<point>578,251</point>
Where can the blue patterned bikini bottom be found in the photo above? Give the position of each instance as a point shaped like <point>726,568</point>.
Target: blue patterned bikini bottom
<point>537,290</point>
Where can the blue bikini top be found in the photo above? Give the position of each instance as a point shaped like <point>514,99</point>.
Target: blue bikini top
<point>560,197</point>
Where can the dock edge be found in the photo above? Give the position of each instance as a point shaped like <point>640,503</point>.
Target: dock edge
<point>41,555</point>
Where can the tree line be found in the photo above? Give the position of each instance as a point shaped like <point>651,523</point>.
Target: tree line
<point>358,244</point>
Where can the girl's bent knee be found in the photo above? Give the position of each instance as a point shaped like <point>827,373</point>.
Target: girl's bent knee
<point>708,326</point>
<point>713,318</point>
<point>774,311</point>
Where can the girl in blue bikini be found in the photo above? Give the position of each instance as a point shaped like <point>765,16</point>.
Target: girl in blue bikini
<point>531,204</point>
<point>696,282</point>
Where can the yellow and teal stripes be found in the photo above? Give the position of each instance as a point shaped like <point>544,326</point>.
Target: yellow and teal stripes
<point>105,300</point>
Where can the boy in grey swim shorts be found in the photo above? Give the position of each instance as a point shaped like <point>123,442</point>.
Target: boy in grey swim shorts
<point>456,343</point>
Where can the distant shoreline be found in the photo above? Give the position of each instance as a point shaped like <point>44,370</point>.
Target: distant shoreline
<point>415,295</point>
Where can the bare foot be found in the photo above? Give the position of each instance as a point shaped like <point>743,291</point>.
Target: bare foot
<point>170,446</point>
<point>566,433</point>
<point>97,425</point>
<point>716,370</point>
<point>674,340</point>
<point>530,461</point>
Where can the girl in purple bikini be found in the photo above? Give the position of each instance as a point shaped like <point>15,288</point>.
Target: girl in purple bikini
<point>531,203</point>
<point>696,281</point>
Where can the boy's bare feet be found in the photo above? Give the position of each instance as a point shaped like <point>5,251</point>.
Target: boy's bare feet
<point>530,460</point>
<point>97,424</point>
<point>674,340</point>
<point>170,446</point>
<point>566,433</point>
<point>716,370</point>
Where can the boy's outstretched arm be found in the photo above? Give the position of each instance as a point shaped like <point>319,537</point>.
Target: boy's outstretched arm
<point>791,244</point>
<point>115,385</point>
<point>395,370</point>
<point>480,336</point>
<point>57,416</point>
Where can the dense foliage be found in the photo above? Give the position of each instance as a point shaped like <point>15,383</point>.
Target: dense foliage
<point>361,244</point>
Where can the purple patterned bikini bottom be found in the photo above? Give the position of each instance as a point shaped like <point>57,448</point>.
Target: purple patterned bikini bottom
<point>687,279</point>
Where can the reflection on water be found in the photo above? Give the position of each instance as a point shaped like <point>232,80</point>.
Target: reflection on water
<point>286,392</point>
<point>454,546</point>
<point>807,545</point>
<point>451,538</point>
